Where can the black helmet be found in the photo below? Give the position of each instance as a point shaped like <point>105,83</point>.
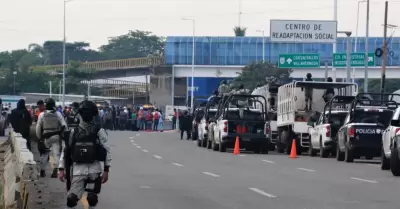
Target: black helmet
<point>50,104</point>
<point>329,79</point>
<point>75,105</point>
<point>241,86</point>
<point>88,110</point>
<point>309,75</point>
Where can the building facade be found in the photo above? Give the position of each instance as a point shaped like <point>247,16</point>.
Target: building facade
<point>244,50</point>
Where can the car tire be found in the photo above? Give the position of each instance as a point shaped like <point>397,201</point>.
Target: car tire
<point>348,155</point>
<point>311,151</point>
<point>395,162</point>
<point>339,154</point>
<point>323,153</point>
<point>385,163</point>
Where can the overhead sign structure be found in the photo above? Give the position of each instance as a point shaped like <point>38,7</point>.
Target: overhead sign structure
<point>303,31</point>
<point>356,59</point>
<point>299,61</point>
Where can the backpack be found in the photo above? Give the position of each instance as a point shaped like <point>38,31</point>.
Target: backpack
<point>156,116</point>
<point>86,148</point>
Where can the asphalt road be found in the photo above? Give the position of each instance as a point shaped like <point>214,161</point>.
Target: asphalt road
<point>159,171</point>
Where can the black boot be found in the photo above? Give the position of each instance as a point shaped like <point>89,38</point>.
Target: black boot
<point>42,173</point>
<point>54,174</point>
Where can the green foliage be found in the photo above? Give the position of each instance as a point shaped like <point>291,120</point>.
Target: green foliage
<point>259,73</point>
<point>239,31</point>
<point>131,45</point>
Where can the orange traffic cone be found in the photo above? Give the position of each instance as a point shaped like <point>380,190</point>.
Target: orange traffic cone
<point>293,152</point>
<point>236,149</point>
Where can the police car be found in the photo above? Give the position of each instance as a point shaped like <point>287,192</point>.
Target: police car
<point>361,134</point>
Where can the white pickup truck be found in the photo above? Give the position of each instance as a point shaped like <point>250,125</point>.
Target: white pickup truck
<point>387,141</point>
<point>323,133</point>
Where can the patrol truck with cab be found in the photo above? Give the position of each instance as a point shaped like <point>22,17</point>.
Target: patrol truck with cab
<point>293,114</point>
<point>361,134</point>
<point>249,123</point>
<point>325,125</point>
<point>270,92</point>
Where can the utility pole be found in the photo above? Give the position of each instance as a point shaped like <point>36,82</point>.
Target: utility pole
<point>366,50</point>
<point>384,56</point>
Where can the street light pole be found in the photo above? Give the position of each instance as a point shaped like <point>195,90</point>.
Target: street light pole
<point>366,50</point>
<point>263,44</point>
<point>193,55</point>
<point>64,51</point>
<point>334,44</point>
<point>356,38</point>
<point>14,73</point>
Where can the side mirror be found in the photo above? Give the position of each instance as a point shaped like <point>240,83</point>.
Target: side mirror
<point>310,123</point>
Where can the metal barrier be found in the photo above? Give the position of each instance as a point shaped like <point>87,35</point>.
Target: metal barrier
<point>110,64</point>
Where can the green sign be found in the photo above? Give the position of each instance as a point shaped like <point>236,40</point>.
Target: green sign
<point>299,61</point>
<point>356,60</point>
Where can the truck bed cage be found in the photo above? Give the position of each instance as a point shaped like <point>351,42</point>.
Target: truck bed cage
<point>321,85</point>
<point>365,99</point>
<point>254,99</point>
<point>342,100</point>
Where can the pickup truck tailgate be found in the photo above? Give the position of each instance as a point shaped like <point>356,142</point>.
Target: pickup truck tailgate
<point>366,135</point>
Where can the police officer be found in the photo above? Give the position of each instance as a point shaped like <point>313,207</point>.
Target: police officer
<point>73,118</point>
<point>49,128</point>
<point>223,88</point>
<point>242,102</point>
<point>329,93</point>
<point>82,153</point>
<point>308,93</point>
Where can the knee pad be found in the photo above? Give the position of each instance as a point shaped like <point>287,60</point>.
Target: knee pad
<point>72,200</point>
<point>92,199</point>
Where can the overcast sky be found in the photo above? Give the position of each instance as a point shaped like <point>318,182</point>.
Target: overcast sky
<point>34,21</point>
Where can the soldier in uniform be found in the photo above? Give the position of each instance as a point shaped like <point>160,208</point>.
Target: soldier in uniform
<point>73,118</point>
<point>82,155</point>
<point>223,88</point>
<point>329,93</point>
<point>49,128</point>
<point>308,93</point>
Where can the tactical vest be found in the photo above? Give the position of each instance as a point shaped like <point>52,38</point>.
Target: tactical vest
<point>51,122</point>
<point>86,148</point>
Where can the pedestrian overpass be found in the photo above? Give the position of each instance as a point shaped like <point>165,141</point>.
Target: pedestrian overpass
<point>156,65</point>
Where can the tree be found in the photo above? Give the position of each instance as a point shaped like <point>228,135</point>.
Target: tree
<point>134,44</point>
<point>259,73</point>
<point>239,31</point>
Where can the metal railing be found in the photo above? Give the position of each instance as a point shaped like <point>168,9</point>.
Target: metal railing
<point>109,64</point>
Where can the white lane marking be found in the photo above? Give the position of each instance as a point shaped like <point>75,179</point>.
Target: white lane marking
<point>157,156</point>
<point>261,192</point>
<point>144,187</point>
<point>376,165</point>
<point>131,137</point>
<point>305,169</point>
<point>268,161</point>
<point>139,147</point>
<point>145,150</point>
<point>137,134</point>
<point>211,174</point>
<point>132,141</point>
<point>364,180</point>
<point>177,164</point>
<point>242,155</point>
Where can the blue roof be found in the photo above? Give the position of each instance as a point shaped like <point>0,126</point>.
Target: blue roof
<point>224,50</point>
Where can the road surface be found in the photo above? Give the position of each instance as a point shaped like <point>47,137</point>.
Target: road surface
<point>159,171</point>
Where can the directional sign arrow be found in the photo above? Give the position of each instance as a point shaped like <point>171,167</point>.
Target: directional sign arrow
<point>370,59</point>
<point>289,60</point>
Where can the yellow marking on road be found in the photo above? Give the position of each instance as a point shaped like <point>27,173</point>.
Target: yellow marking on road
<point>83,199</point>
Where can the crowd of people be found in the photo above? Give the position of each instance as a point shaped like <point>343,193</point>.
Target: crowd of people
<point>139,119</point>
<point>75,140</point>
